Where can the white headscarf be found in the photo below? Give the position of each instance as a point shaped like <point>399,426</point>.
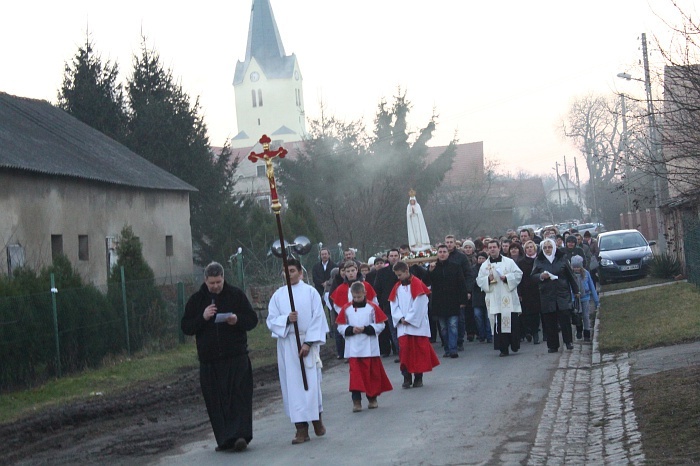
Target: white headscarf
<point>550,257</point>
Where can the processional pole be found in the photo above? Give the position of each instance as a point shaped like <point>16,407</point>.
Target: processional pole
<point>267,155</point>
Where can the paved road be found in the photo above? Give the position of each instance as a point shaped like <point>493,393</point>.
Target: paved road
<point>477,409</point>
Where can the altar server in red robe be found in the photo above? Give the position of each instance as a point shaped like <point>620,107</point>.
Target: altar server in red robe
<point>360,322</point>
<point>409,311</point>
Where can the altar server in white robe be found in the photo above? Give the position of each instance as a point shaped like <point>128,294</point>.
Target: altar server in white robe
<point>499,277</point>
<point>360,322</point>
<point>300,405</point>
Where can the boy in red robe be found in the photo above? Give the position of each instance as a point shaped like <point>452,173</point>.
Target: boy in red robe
<point>409,311</point>
<point>360,322</point>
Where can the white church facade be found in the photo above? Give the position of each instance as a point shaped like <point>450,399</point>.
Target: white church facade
<point>267,85</point>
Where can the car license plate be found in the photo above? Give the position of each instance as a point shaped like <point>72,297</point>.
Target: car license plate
<point>629,267</point>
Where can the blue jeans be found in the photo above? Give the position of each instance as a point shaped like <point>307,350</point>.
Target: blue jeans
<point>483,325</point>
<point>448,330</point>
<point>461,327</point>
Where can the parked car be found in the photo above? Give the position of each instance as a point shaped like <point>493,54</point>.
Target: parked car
<point>623,254</point>
<point>594,228</point>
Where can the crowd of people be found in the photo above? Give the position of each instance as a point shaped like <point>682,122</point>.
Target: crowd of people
<point>493,290</point>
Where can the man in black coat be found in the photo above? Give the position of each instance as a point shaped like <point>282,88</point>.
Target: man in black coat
<point>467,324</point>
<point>321,271</point>
<point>449,298</point>
<point>383,284</point>
<point>219,315</point>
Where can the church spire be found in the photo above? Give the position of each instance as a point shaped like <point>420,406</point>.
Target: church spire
<point>263,36</point>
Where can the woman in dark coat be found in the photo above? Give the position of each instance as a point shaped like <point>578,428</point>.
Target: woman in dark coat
<point>529,293</point>
<point>556,282</point>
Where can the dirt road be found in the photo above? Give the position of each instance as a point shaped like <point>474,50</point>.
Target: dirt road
<point>476,408</point>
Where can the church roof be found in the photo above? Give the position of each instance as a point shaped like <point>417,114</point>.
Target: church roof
<point>39,138</point>
<point>265,45</point>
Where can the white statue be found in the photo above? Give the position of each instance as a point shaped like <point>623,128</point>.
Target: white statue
<point>417,232</point>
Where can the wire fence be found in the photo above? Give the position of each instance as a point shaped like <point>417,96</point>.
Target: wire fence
<point>62,331</point>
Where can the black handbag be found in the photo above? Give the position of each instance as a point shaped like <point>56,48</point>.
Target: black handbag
<point>577,313</point>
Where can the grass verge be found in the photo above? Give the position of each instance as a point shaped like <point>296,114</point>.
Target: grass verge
<point>667,404</point>
<point>660,316</point>
<point>622,285</point>
<point>122,373</point>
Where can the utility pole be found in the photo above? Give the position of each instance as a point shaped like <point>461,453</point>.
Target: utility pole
<point>578,187</point>
<point>625,147</point>
<point>654,149</point>
<point>556,165</point>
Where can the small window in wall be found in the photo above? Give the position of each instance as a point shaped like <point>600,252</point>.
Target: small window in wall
<point>298,96</point>
<point>56,246</point>
<point>260,98</point>
<point>264,202</point>
<point>258,121</point>
<point>83,248</point>
<point>169,245</point>
<point>255,100</point>
<point>15,257</point>
<point>261,171</point>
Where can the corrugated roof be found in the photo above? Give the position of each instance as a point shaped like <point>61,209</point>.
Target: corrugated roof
<point>37,137</point>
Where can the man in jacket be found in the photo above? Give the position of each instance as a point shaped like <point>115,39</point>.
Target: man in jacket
<point>383,284</point>
<point>466,316</point>
<point>220,315</point>
<point>449,298</point>
<point>321,271</point>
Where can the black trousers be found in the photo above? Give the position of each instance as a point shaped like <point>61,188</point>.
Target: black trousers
<point>551,321</point>
<point>227,388</point>
<point>502,341</point>
<point>530,323</point>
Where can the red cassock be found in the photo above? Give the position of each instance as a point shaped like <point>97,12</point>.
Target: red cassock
<point>417,354</point>
<point>366,369</point>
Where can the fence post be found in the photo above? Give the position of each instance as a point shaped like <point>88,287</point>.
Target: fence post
<point>180,309</point>
<point>126,313</point>
<point>54,290</point>
<point>239,267</point>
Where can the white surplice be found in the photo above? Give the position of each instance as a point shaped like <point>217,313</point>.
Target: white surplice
<point>501,298</point>
<point>299,404</point>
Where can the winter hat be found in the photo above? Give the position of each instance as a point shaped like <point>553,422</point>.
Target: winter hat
<point>483,254</point>
<point>469,242</point>
<point>371,261</point>
<point>577,261</point>
<point>571,239</point>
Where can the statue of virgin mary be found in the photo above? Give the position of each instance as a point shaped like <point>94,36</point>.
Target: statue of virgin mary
<point>417,232</point>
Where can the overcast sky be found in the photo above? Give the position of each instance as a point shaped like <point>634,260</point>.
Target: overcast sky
<point>500,72</point>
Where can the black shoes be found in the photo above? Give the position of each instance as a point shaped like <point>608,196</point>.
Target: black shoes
<point>553,350</point>
<point>406,381</point>
<point>569,346</point>
<point>528,337</point>
<point>418,381</point>
<point>454,355</point>
<point>239,445</point>
<point>503,354</point>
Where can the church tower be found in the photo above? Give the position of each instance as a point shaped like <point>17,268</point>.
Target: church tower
<point>267,85</point>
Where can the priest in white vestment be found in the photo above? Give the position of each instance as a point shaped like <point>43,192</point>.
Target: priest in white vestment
<point>499,277</point>
<point>300,405</point>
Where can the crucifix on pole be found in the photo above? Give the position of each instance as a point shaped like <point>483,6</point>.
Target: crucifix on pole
<point>267,155</point>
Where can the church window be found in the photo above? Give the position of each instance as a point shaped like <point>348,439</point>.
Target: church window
<point>261,171</point>
<point>260,102</point>
<point>255,102</point>
<point>298,97</point>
